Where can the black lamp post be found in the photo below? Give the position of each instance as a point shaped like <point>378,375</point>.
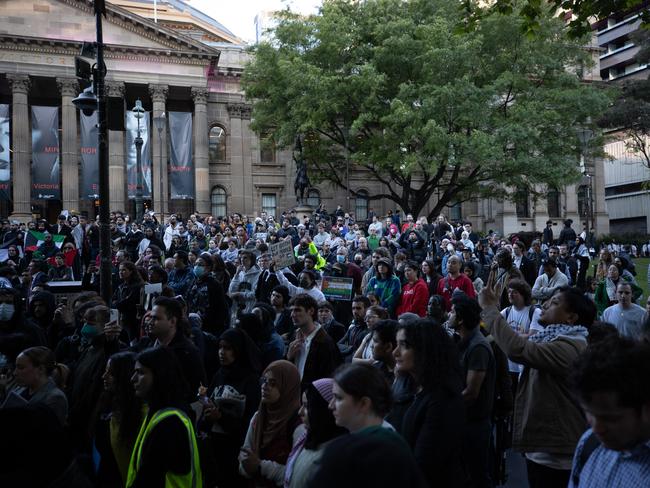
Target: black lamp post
<point>90,100</point>
<point>138,113</point>
<point>585,135</point>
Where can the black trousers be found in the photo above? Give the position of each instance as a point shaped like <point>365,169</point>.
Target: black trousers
<point>544,477</point>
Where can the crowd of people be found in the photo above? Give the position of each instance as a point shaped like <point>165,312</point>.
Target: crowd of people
<point>217,364</point>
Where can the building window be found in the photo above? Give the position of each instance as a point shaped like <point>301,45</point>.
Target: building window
<point>313,197</point>
<point>522,204</point>
<point>219,202</point>
<point>269,204</point>
<point>455,212</point>
<point>267,149</point>
<point>583,200</point>
<point>217,144</point>
<point>553,201</point>
<point>361,207</point>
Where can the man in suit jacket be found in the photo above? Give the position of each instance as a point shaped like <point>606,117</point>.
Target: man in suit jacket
<point>523,263</point>
<point>313,351</point>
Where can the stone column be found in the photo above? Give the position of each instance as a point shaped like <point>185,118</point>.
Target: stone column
<point>69,88</point>
<point>160,175</point>
<point>237,173</point>
<point>247,162</point>
<point>116,163</point>
<point>201,163</point>
<point>21,176</point>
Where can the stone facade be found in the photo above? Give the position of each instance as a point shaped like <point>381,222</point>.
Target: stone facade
<point>171,70</point>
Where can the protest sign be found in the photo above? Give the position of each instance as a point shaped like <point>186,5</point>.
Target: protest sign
<point>337,288</point>
<point>282,254</point>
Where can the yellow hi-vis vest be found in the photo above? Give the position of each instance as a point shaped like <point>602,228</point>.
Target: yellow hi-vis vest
<point>189,480</point>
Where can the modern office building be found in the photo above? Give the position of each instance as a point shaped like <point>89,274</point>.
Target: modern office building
<point>626,174</point>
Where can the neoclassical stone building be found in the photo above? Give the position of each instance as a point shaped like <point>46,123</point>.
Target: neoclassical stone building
<point>176,59</point>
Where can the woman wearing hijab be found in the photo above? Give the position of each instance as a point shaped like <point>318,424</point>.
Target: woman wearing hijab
<point>232,398</point>
<point>320,428</point>
<point>275,428</point>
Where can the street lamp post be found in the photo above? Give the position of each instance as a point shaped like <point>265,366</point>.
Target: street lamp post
<point>159,122</point>
<point>138,112</point>
<point>585,135</point>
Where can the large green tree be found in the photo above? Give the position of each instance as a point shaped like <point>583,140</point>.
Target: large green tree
<point>422,103</point>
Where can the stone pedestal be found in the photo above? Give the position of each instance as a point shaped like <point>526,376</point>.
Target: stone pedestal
<point>303,211</point>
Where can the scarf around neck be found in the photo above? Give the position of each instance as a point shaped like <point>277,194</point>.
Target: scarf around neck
<point>555,331</point>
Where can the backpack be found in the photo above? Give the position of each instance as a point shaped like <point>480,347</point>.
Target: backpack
<point>531,312</point>
<point>503,395</point>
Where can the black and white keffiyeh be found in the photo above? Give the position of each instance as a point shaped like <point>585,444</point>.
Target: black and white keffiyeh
<point>553,332</point>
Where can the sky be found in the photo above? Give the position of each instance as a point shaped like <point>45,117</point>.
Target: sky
<point>239,15</point>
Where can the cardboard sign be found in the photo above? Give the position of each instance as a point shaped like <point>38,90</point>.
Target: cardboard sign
<point>282,254</point>
<point>335,288</point>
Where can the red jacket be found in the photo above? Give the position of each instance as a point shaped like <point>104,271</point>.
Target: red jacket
<point>415,298</point>
<point>447,285</point>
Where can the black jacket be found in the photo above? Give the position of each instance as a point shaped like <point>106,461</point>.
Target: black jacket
<point>432,427</point>
<point>323,358</point>
<point>190,362</point>
<point>528,269</point>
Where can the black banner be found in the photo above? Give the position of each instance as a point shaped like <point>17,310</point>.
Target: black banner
<point>131,154</point>
<point>89,156</point>
<point>5,153</point>
<point>181,170</point>
<point>46,179</point>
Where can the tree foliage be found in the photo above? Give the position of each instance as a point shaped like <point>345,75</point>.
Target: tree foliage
<point>580,12</point>
<point>630,113</point>
<point>421,103</point>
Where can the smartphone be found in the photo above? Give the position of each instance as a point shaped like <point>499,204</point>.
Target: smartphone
<point>115,315</point>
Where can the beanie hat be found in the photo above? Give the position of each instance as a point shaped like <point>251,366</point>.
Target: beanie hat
<point>324,387</point>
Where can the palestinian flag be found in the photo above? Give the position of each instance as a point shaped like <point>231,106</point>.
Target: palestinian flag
<point>33,239</point>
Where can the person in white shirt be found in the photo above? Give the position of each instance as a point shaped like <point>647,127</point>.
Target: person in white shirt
<point>551,280</point>
<point>522,316</point>
<point>321,236</point>
<point>307,282</point>
<point>627,317</point>
<point>170,231</point>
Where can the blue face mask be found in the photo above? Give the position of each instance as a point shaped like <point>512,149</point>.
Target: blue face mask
<point>199,271</point>
<point>89,331</point>
<point>340,258</point>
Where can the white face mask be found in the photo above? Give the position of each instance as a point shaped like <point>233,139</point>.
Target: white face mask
<point>6,311</point>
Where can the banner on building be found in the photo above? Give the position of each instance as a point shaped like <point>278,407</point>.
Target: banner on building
<point>131,154</point>
<point>89,156</point>
<point>181,170</point>
<point>46,169</point>
<point>5,153</point>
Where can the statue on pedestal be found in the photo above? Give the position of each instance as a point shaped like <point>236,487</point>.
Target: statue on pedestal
<point>302,179</point>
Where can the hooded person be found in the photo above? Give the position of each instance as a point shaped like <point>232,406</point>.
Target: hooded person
<point>16,334</point>
<point>41,314</point>
<point>275,428</point>
<point>232,397</point>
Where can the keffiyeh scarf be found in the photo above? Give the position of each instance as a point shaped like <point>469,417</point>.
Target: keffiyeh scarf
<point>552,332</point>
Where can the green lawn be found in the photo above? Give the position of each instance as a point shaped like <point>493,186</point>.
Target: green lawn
<point>642,274</point>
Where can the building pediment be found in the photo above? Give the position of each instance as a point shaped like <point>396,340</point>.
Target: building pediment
<point>65,24</point>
